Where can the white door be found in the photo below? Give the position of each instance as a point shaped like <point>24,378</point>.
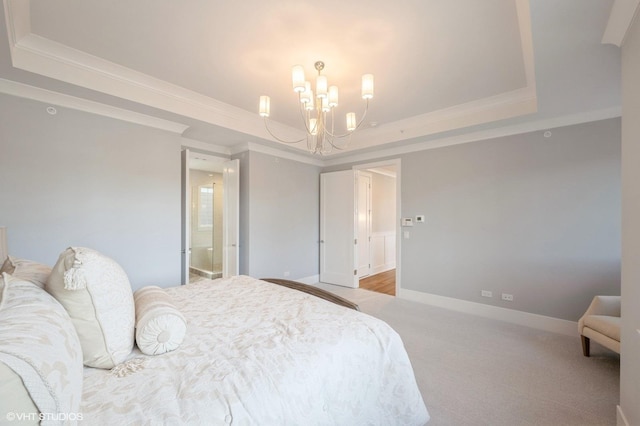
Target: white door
<point>338,256</point>
<point>185,204</point>
<point>230,218</point>
<point>363,213</point>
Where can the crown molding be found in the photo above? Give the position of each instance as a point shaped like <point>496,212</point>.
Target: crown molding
<point>33,53</point>
<point>499,107</point>
<point>255,147</point>
<point>532,126</point>
<point>204,146</point>
<point>623,13</point>
<point>21,90</point>
<point>505,105</point>
<point>37,54</point>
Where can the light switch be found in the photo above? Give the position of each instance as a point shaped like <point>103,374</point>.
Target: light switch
<point>407,221</point>
<point>406,235</point>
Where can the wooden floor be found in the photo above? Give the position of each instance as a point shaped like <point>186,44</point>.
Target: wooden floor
<point>384,282</point>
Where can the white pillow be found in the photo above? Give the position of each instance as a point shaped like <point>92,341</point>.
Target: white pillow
<point>40,354</point>
<point>28,270</point>
<point>96,293</point>
<point>160,327</point>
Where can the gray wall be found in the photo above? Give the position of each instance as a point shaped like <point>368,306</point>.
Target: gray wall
<point>383,197</point>
<point>77,179</point>
<point>533,217</point>
<point>279,207</point>
<point>630,366</point>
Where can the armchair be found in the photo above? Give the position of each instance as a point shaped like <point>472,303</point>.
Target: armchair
<point>601,322</point>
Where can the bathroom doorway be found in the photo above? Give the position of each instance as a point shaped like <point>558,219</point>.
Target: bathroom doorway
<point>210,216</point>
<point>206,222</point>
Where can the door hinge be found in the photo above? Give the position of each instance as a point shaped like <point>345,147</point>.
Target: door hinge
<point>355,272</point>
<point>355,241</point>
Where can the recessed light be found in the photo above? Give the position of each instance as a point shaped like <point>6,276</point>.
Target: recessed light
<point>51,110</point>
<point>547,134</point>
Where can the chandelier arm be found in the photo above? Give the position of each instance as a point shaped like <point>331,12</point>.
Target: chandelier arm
<point>343,147</point>
<point>305,114</point>
<point>266,125</point>
<point>364,115</point>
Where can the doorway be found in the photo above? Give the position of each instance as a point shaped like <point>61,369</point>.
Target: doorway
<point>205,184</point>
<point>377,256</point>
<point>341,251</point>
<point>210,206</point>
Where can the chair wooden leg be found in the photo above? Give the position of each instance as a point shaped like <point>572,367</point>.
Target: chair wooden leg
<point>585,345</point>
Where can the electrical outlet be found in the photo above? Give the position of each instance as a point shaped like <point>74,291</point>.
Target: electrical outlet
<point>486,293</point>
<point>507,297</point>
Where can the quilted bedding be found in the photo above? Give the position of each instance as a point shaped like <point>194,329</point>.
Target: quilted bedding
<point>260,354</point>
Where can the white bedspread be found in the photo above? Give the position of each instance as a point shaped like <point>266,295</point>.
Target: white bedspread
<point>260,354</point>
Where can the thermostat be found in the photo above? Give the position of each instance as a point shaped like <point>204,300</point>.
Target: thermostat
<point>420,218</point>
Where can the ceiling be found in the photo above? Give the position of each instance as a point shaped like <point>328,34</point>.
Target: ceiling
<point>442,68</point>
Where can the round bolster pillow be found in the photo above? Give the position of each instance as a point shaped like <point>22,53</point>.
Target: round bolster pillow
<point>160,327</point>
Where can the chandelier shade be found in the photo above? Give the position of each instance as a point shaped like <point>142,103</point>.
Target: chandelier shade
<point>318,110</point>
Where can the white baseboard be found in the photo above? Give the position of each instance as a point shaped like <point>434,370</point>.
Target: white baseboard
<point>555,325</point>
<point>621,420</point>
<point>382,268</point>
<point>313,279</point>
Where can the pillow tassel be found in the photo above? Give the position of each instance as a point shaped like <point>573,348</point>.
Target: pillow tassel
<point>74,279</point>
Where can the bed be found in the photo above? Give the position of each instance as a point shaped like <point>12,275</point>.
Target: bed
<point>258,353</point>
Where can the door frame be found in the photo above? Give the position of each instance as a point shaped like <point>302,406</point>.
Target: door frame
<point>359,175</point>
<point>397,162</point>
<point>186,156</point>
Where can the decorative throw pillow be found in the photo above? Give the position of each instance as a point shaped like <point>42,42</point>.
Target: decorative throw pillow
<point>40,355</point>
<point>96,293</point>
<point>160,327</point>
<point>28,270</point>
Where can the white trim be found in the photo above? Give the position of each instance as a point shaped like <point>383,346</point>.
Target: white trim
<point>532,126</point>
<point>623,13</point>
<point>46,57</point>
<point>397,162</point>
<point>204,146</point>
<point>555,325</point>
<point>499,107</point>
<point>383,172</point>
<point>312,280</point>
<point>621,420</point>
<point>21,90</point>
<point>252,146</point>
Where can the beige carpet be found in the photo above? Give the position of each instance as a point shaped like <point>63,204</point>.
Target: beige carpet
<point>478,371</point>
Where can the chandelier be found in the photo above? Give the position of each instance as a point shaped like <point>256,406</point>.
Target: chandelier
<point>318,113</point>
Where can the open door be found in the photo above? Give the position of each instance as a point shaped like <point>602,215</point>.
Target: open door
<point>230,220</point>
<point>185,204</point>
<point>338,241</point>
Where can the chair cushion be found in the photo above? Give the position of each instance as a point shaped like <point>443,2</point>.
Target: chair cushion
<point>609,326</point>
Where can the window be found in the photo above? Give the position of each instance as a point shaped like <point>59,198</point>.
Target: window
<point>205,206</point>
